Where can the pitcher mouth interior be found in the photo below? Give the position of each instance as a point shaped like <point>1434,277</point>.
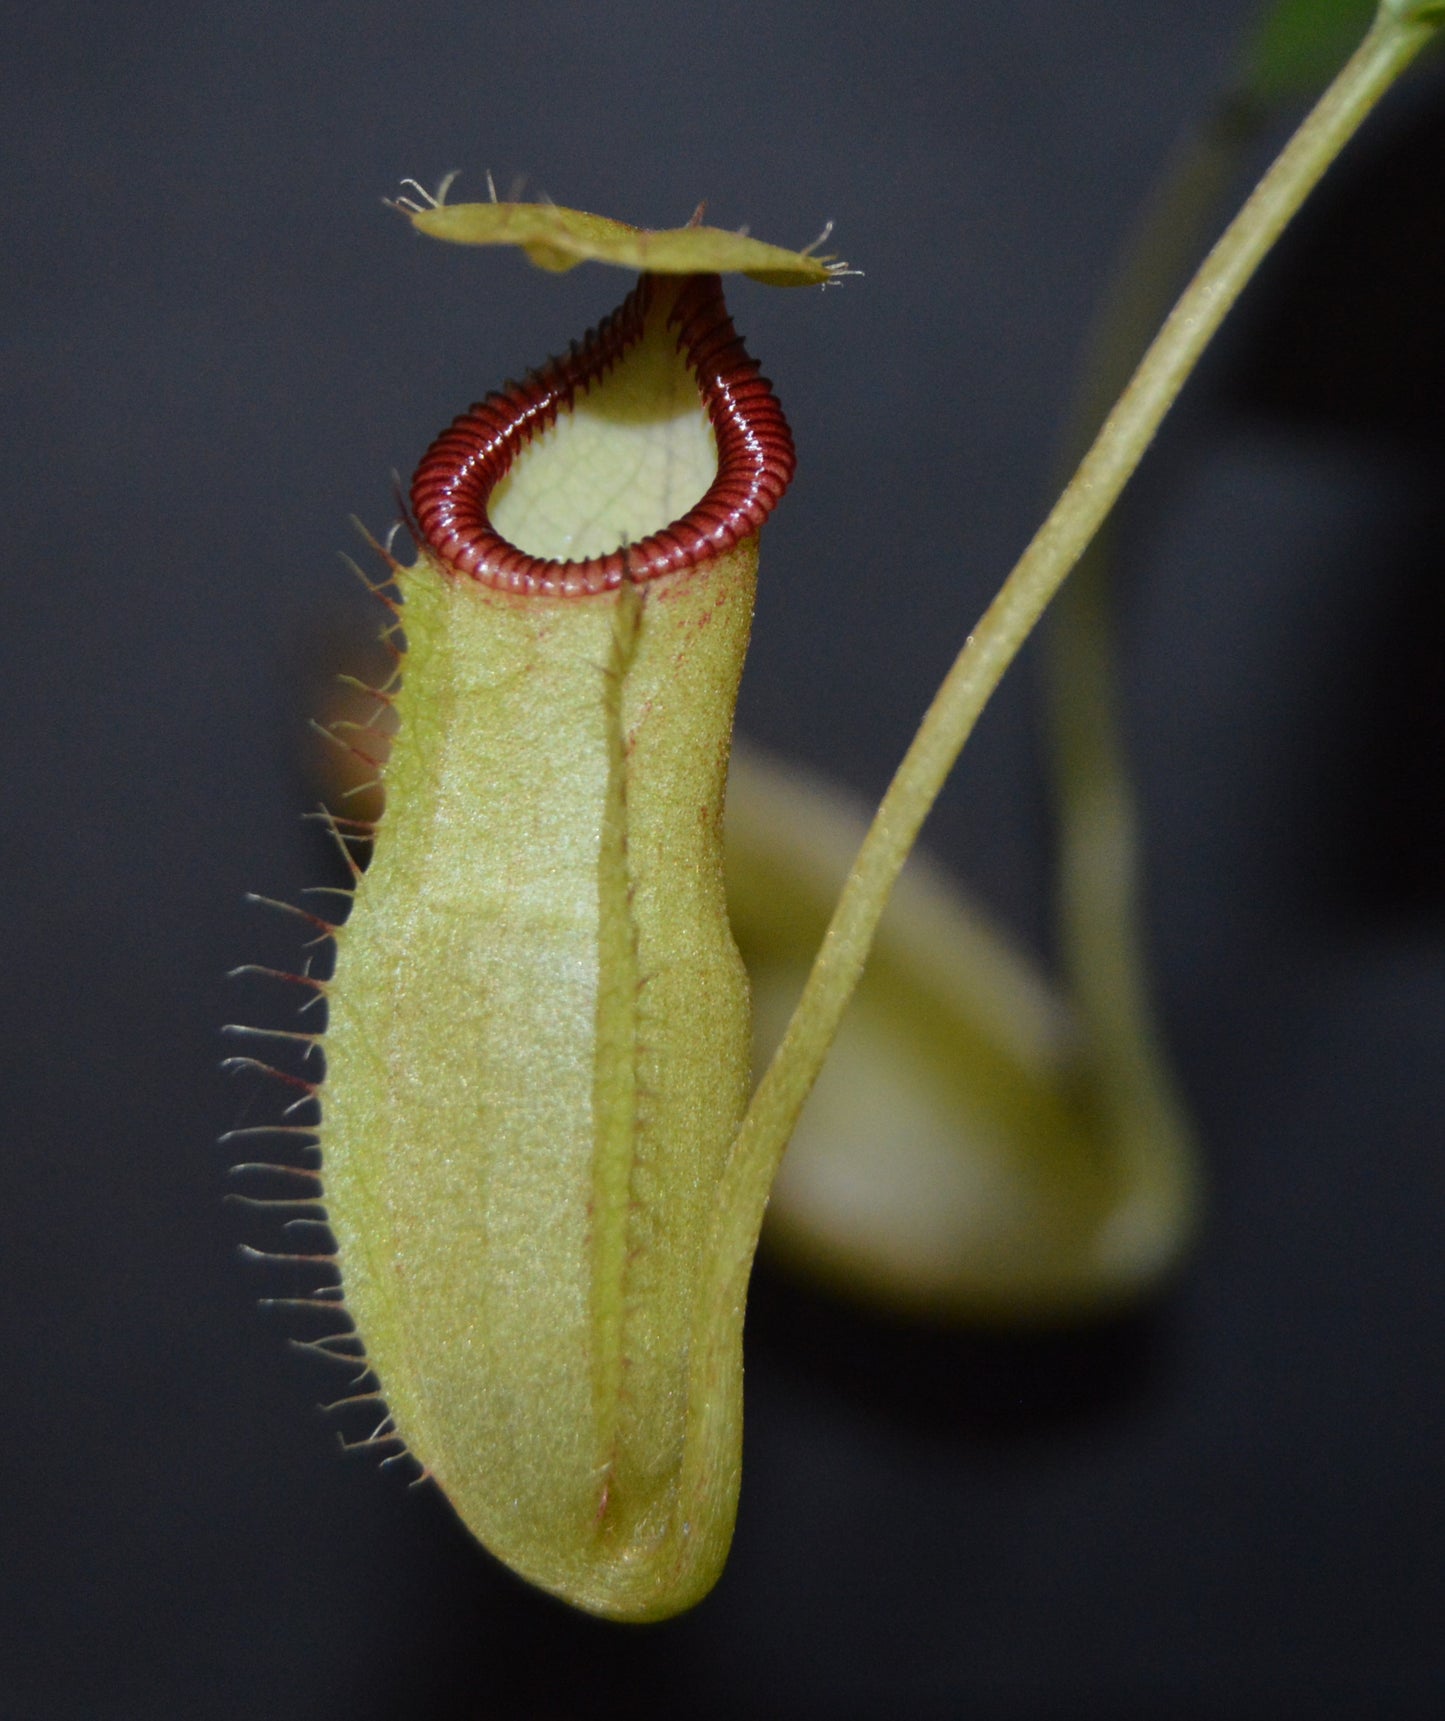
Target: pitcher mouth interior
<point>456,486</point>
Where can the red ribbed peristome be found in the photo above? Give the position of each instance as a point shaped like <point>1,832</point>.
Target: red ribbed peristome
<point>457,474</point>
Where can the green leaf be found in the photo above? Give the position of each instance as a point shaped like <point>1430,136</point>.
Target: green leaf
<point>1300,44</point>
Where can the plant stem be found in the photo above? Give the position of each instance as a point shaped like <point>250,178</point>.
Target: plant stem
<point>1386,50</point>
<point>1123,1075</point>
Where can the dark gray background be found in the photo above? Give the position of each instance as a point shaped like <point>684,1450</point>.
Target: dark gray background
<point>217,344</point>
